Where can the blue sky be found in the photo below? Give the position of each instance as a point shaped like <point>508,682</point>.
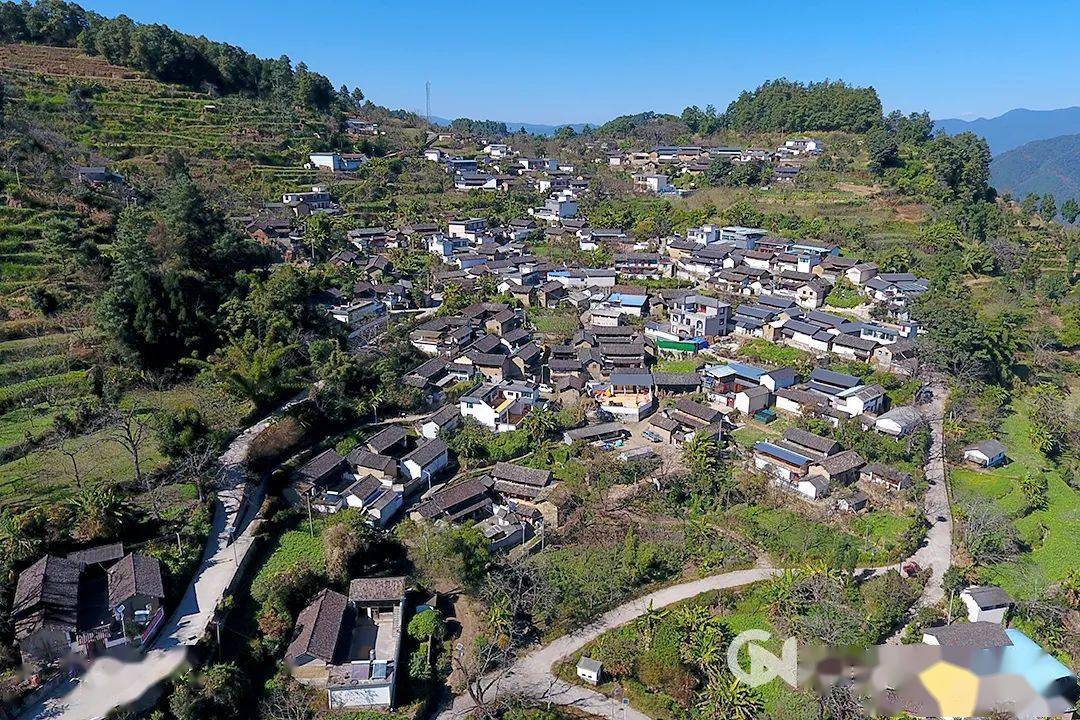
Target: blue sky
<point>588,61</point>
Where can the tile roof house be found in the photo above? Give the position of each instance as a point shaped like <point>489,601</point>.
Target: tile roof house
<point>809,444</point>
<point>458,501</point>
<point>968,635</point>
<point>839,468</point>
<point>133,578</point>
<point>424,463</point>
<point>63,607</point>
<point>388,441</point>
<point>893,479</point>
<point>519,482</point>
<point>350,646</point>
<point>442,420</point>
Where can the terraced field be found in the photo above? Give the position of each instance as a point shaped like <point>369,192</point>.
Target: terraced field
<point>133,120</point>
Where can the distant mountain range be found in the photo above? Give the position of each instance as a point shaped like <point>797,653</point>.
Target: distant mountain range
<point>533,128</point>
<point>1043,166</point>
<point>1017,127</point>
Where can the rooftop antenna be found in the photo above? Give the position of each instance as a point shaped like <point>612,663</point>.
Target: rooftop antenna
<point>427,93</point>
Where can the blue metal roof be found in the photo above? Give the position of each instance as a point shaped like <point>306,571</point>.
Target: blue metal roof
<point>784,454</point>
<point>746,371</point>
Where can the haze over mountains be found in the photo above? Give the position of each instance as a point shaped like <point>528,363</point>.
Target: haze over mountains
<point>534,128</point>
<point>1017,127</point>
<point>1035,151</point>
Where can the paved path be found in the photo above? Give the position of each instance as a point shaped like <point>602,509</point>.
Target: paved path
<point>531,675</point>
<point>936,552</point>
<point>133,678</point>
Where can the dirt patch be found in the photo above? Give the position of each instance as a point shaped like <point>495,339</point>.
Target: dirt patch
<point>863,191</point>
<point>64,62</point>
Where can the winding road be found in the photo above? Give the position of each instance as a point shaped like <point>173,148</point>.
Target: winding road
<point>531,676</point>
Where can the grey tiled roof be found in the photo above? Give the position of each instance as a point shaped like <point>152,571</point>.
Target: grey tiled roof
<point>318,627</point>
<point>377,589</point>
<point>135,575</point>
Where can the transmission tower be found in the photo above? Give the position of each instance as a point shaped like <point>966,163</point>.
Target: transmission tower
<point>427,93</point>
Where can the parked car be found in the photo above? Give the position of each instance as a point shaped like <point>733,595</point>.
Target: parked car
<point>650,435</point>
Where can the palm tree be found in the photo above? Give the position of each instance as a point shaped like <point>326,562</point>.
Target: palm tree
<point>101,510</point>
<point>540,423</point>
<point>727,697</point>
<point>374,401</point>
<point>14,541</point>
<point>650,620</point>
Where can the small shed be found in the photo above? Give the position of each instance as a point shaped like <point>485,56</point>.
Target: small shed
<point>988,453</point>
<point>589,670</point>
<point>986,603</point>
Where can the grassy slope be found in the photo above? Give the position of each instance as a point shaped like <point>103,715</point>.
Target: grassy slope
<point>1051,533</point>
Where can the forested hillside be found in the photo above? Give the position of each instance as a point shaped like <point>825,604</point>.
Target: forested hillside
<point>1042,167</point>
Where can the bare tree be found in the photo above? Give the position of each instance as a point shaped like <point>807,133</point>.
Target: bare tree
<point>286,701</point>
<point>131,429</point>
<point>841,703</point>
<point>200,465</point>
<point>513,593</point>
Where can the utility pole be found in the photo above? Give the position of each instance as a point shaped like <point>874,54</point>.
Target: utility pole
<point>310,526</point>
<point>427,94</point>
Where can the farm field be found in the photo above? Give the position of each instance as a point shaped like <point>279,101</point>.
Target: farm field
<point>788,535</point>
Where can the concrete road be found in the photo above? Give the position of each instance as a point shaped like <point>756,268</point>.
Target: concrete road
<point>936,552</point>
<point>531,675</point>
<point>133,679</point>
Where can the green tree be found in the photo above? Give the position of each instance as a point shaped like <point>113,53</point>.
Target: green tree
<point>727,697</point>
<point>540,423</point>
<point>1048,208</point>
<point>254,369</point>
<point>882,148</point>
<point>1036,491</point>
<point>101,512</point>
<point>219,693</point>
<point>1030,204</point>
<point>1070,210</point>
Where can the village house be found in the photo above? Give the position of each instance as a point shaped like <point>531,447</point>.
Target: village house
<point>840,468</point>
<point>500,407</point>
<point>85,604</point>
<point>891,478</point>
<point>986,603</point>
<point>423,464</point>
<point>443,420</point>
<point>899,421</point>
<point>698,316</point>
<point>350,645</point>
<point>627,395</point>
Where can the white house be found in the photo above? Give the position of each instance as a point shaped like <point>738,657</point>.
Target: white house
<point>442,420</point>
<point>751,399</point>
<point>499,406</point>
<point>986,603</point>
<point>337,162</point>
<point>859,400</point>
<point>497,150</point>
<point>899,421</point>
<point>424,463</point>
<point>988,453</point>
<point>657,184</point>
